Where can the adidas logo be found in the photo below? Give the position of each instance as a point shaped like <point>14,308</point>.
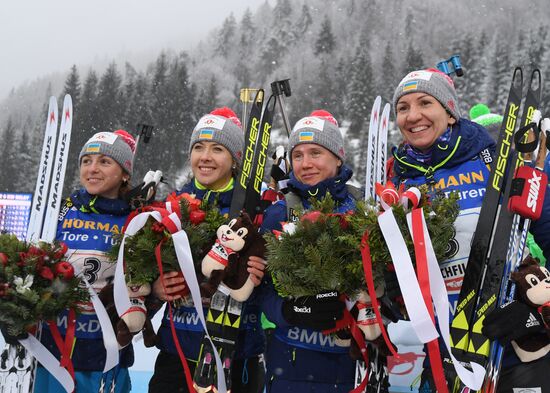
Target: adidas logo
<point>532,321</point>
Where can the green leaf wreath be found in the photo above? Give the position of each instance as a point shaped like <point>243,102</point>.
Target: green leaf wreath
<point>323,252</point>
<point>36,283</point>
<point>200,220</point>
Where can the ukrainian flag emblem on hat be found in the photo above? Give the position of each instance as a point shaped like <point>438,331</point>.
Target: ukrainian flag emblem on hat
<point>304,136</point>
<point>93,147</point>
<point>206,134</point>
<point>412,85</point>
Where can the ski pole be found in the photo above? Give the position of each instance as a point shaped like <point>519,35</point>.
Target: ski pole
<point>280,89</point>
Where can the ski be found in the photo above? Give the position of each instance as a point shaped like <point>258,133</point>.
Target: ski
<point>251,141</point>
<point>377,370</point>
<point>224,315</point>
<point>381,149</point>
<point>517,228</point>
<point>471,285</point>
<point>17,367</point>
<point>497,261</point>
<point>252,199</point>
<point>372,138</point>
<point>34,231</point>
<point>58,177</point>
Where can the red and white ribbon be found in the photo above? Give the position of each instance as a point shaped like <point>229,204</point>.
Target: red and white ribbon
<point>49,361</point>
<point>185,261</point>
<point>412,296</point>
<point>472,379</point>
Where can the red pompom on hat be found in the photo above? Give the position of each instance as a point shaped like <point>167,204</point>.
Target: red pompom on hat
<point>227,113</point>
<point>325,115</point>
<point>128,138</point>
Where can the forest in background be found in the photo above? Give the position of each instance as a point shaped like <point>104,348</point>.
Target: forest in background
<point>338,54</point>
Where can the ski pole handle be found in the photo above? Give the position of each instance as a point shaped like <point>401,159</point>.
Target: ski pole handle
<point>145,131</point>
<point>280,89</point>
<point>247,97</point>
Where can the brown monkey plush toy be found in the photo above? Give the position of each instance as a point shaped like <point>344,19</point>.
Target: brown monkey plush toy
<point>525,322</point>
<point>227,261</point>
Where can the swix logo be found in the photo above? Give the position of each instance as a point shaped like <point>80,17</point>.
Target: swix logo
<point>328,294</point>
<point>209,121</point>
<point>504,151</point>
<point>308,122</point>
<point>43,174</point>
<point>534,187</point>
<point>303,310</point>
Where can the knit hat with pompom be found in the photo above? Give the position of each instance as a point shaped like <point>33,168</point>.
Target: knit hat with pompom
<point>221,126</point>
<point>321,128</point>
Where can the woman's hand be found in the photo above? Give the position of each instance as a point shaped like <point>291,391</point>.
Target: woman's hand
<point>256,269</point>
<point>171,288</point>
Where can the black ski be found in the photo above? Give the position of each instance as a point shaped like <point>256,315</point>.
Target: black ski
<point>251,142</point>
<point>509,229</point>
<point>252,199</point>
<point>473,277</point>
<point>492,270</point>
<point>461,328</point>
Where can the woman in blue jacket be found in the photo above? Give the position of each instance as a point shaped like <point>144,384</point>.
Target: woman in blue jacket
<point>300,358</point>
<point>451,153</point>
<point>216,150</point>
<point>89,219</point>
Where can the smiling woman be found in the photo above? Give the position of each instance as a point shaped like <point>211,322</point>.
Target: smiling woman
<point>216,151</point>
<point>299,357</point>
<point>90,218</point>
<point>440,147</point>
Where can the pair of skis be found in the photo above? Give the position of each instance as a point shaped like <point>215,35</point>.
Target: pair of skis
<point>17,367</point>
<point>377,138</point>
<point>224,315</point>
<point>489,262</point>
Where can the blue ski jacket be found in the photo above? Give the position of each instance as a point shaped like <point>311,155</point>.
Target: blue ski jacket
<point>87,228</point>
<point>297,358</point>
<point>189,329</point>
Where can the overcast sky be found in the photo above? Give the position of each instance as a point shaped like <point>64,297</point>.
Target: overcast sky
<point>38,37</point>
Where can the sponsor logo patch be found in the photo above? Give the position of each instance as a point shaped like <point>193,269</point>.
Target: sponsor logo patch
<point>105,137</point>
<point>310,122</point>
<point>211,121</point>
